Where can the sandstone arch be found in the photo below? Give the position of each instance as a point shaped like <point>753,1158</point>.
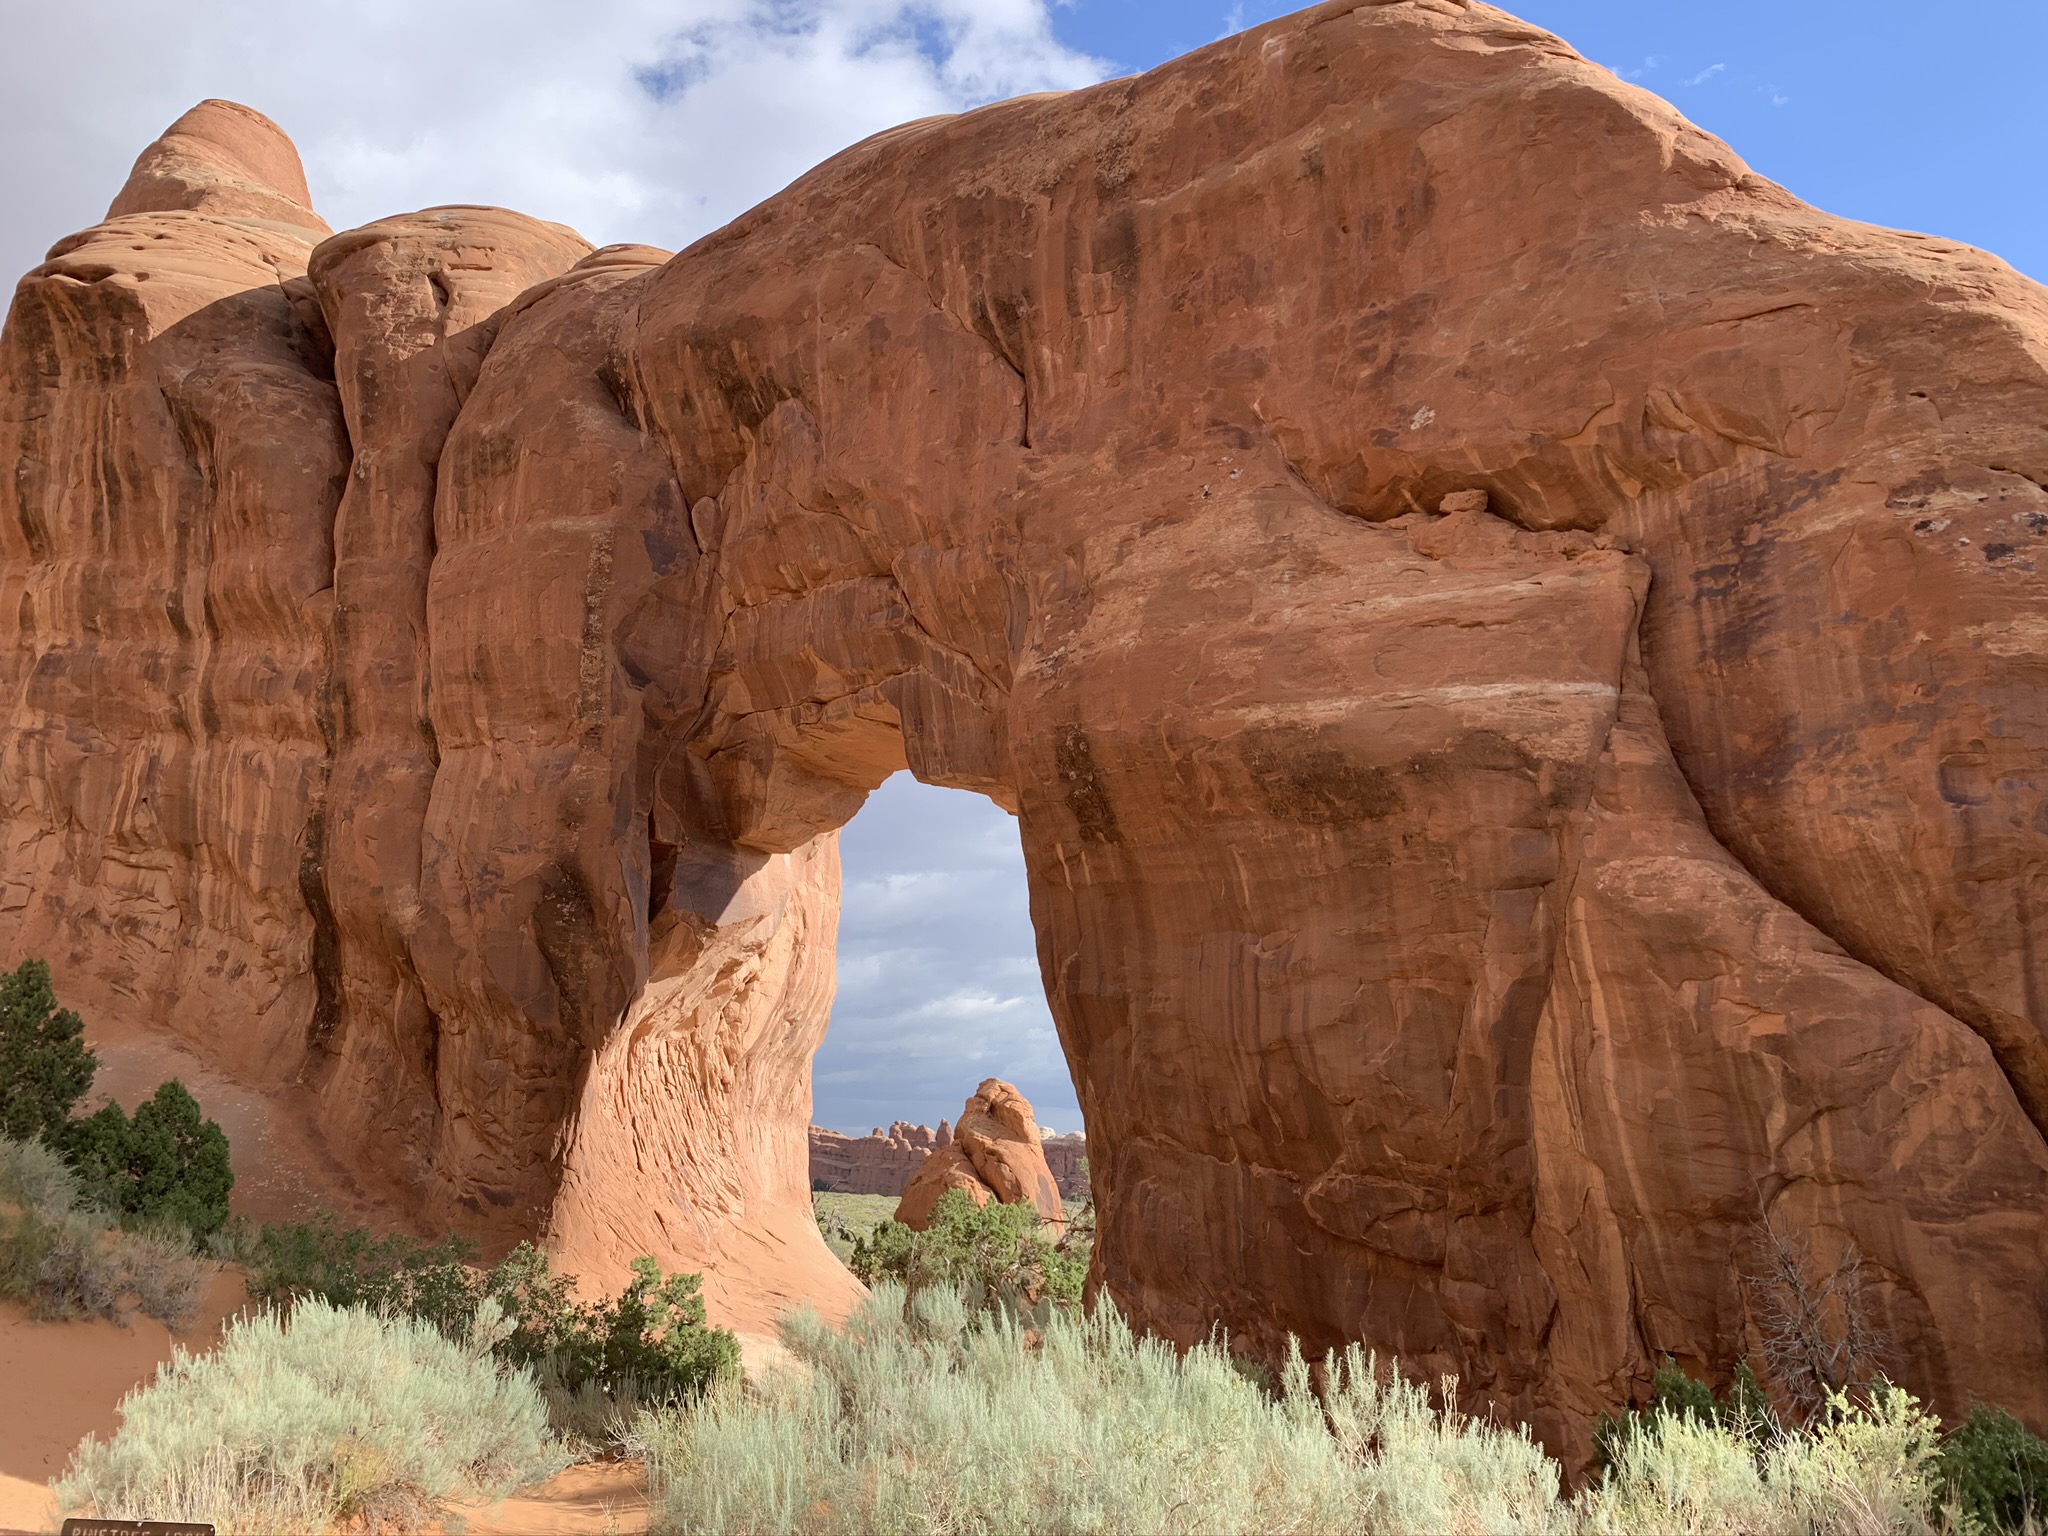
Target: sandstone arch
<point>1510,640</point>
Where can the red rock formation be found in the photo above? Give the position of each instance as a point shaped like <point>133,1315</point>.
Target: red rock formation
<point>413,304</point>
<point>1464,914</point>
<point>176,451</point>
<point>878,1164</point>
<point>1063,1158</point>
<point>996,1153</point>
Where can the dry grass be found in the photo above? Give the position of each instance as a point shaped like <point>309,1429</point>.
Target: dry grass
<point>60,1260</point>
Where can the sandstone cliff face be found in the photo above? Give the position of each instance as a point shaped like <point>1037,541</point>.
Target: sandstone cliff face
<point>413,305</point>
<point>1063,1158</point>
<point>176,451</point>
<point>1515,645</point>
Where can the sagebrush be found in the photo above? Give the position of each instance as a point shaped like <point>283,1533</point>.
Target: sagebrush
<point>62,1259</point>
<point>336,1415</point>
<point>598,1363</point>
<point>926,1413</point>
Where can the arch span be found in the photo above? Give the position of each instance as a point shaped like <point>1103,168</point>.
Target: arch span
<point>1509,639</point>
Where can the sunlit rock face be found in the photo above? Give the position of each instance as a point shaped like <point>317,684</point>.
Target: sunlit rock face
<point>1516,647</point>
<point>997,1153</point>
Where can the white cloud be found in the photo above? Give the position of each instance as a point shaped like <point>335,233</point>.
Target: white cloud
<point>631,120</point>
<point>1706,74</point>
<point>650,120</point>
<point>938,969</point>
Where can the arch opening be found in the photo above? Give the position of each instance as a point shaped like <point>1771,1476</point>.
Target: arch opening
<point>938,982</point>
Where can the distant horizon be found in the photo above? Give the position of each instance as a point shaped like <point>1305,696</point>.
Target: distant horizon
<point>1045,1131</point>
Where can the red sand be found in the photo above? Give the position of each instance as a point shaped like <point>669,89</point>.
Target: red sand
<point>65,1381</point>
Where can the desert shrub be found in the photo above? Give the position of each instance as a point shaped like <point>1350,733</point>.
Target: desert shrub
<point>32,1176</point>
<point>90,1268</point>
<point>1863,1468</point>
<point>61,1260</point>
<point>165,1166</point>
<point>883,1252</point>
<point>1671,1473</point>
<point>395,1275</point>
<point>651,1338</point>
<point>926,1414</point>
<point>597,1362</point>
<point>1744,1411</point>
<point>167,1279</point>
<point>78,1264</point>
<point>996,1254</point>
<point>45,1067</point>
<point>338,1415</point>
<point>599,1418</point>
<point>1994,1471</point>
<point>25,1238</point>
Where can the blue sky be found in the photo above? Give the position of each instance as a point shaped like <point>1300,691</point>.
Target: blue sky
<point>658,120</point>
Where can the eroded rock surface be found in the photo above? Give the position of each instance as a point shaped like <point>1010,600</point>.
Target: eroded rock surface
<point>996,1153</point>
<point>1516,646</point>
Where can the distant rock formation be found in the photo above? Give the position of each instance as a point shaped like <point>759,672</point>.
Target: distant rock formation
<point>997,1153</point>
<point>1516,647</point>
<point>880,1163</point>
<point>1063,1157</point>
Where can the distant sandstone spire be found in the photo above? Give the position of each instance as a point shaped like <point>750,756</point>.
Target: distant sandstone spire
<point>221,157</point>
<point>996,1153</point>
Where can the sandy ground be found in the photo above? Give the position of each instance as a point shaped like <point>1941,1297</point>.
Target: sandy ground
<point>595,1499</point>
<point>64,1381</point>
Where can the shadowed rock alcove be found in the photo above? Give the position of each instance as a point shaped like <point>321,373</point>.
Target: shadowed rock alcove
<point>1513,643</point>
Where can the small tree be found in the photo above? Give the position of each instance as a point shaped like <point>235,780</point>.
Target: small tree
<point>1821,1333</point>
<point>995,1253</point>
<point>168,1164</point>
<point>45,1066</point>
<point>1995,1471</point>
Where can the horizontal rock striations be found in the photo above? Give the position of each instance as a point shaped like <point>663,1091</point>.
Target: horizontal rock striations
<point>1516,647</point>
<point>877,1164</point>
